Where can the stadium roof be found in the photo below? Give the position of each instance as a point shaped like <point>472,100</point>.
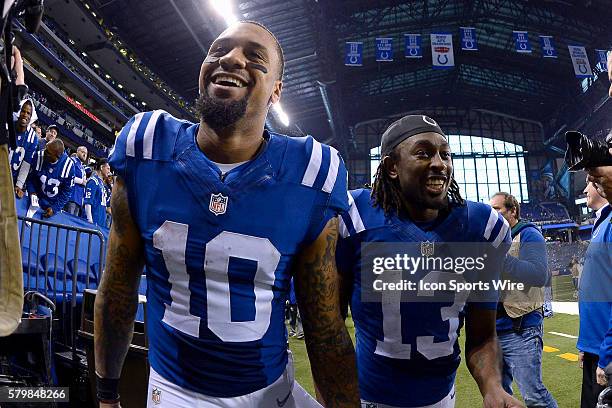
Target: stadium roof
<point>325,98</point>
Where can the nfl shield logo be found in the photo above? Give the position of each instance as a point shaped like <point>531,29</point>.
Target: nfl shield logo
<point>156,396</point>
<point>427,248</point>
<point>218,204</point>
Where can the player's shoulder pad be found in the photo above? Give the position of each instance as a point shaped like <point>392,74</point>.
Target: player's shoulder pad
<point>362,214</point>
<point>487,224</point>
<point>32,137</point>
<point>39,157</point>
<point>67,167</point>
<point>148,136</point>
<point>311,163</point>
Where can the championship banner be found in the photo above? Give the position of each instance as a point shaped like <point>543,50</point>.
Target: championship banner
<point>354,54</point>
<point>442,56</point>
<point>602,59</point>
<point>468,39</point>
<point>384,49</point>
<point>412,48</point>
<point>548,46</point>
<point>521,41</point>
<point>580,60</point>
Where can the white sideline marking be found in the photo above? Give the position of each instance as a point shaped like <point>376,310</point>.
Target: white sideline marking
<point>570,308</point>
<point>569,336</point>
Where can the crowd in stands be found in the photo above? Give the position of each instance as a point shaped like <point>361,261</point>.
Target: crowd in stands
<point>62,116</point>
<point>545,213</point>
<point>560,255</point>
<point>51,180</point>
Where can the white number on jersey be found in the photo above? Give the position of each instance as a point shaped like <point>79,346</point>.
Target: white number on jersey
<point>52,183</point>
<point>392,345</point>
<point>171,239</point>
<point>20,152</point>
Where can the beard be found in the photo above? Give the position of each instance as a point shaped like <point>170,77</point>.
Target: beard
<point>219,114</point>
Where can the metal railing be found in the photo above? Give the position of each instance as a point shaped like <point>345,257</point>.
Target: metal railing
<point>55,243</point>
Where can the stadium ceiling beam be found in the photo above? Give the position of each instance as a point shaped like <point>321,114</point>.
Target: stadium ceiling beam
<point>330,84</point>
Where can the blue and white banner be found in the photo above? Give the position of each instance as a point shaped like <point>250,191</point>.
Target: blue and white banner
<point>602,59</point>
<point>384,49</point>
<point>442,55</point>
<point>548,46</point>
<point>580,60</point>
<point>468,39</point>
<point>354,54</point>
<point>412,48</point>
<point>521,41</point>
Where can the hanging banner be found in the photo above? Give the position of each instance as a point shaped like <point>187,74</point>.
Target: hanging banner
<point>548,46</point>
<point>442,56</point>
<point>580,60</point>
<point>354,54</point>
<point>384,49</point>
<point>468,39</point>
<point>602,59</point>
<point>412,48</point>
<point>521,41</point>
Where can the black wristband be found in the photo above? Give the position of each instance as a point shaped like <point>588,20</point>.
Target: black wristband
<point>107,389</point>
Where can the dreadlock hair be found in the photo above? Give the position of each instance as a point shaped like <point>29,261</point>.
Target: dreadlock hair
<point>387,195</point>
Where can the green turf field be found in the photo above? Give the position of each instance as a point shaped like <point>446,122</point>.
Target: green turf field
<point>563,289</point>
<point>561,376</point>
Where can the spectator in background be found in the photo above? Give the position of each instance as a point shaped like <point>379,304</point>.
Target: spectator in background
<point>38,130</point>
<point>95,194</point>
<point>50,134</point>
<point>108,185</point>
<point>27,144</point>
<point>595,302</point>
<point>80,180</point>
<point>519,313</point>
<point>50,183</point>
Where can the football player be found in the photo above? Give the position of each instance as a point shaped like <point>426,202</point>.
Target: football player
<point>95,194</point>
<point>50,182</point>
<point>223,213</point>
<point>27,144</point>
<point>407,352</point>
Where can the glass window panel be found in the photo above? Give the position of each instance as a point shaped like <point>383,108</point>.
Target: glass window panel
<point>509,147</point>
<point>481,164</point>
<point>470,192</point>
<point>373,168</point>
<point>470,175</point>
<point>488,145</point>
<point>513,163</point>
<point>514,176</point>
<point>491,170</point>
<point>458,175</point>
<point>468,163</point>
<point>505,187</point>
<point>499,146</point>
<point>483,192</point>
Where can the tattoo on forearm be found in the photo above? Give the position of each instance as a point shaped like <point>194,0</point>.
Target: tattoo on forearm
<point>483,361</point>
<point>117,298</point>
<point>330,349</point>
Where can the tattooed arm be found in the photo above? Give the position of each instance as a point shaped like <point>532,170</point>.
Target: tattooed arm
<point>483,358</point>
<point>330,350</point>
<point>117,298</point>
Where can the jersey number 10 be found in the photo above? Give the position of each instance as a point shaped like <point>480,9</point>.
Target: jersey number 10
<point>171,240</point>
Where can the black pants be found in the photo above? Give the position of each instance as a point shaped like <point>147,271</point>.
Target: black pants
<point>590,388</point>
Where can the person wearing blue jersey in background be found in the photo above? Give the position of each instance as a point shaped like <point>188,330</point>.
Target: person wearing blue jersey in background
<point>51,180</point>
<point>595,302</point>
<point>407,351</point>
<point>519,313</point>
<point>108,185</point>
<point>27,144</point>
<point>95,195</point>
<point>75,204</point>
<point>223,213</point>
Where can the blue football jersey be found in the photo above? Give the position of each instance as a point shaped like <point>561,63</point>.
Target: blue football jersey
<point>27,144</point>
<point>407,351</point>
<point>95,195</point>
<point>52,182</point>
<point>218,249</point>
<point>78,192</point>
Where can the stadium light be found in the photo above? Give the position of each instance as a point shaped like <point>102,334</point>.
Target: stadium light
<point>132,95</point>
<point>224,8</point>
<point>96,66</point>
<point>120,86</point>
<point>282,115</point>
